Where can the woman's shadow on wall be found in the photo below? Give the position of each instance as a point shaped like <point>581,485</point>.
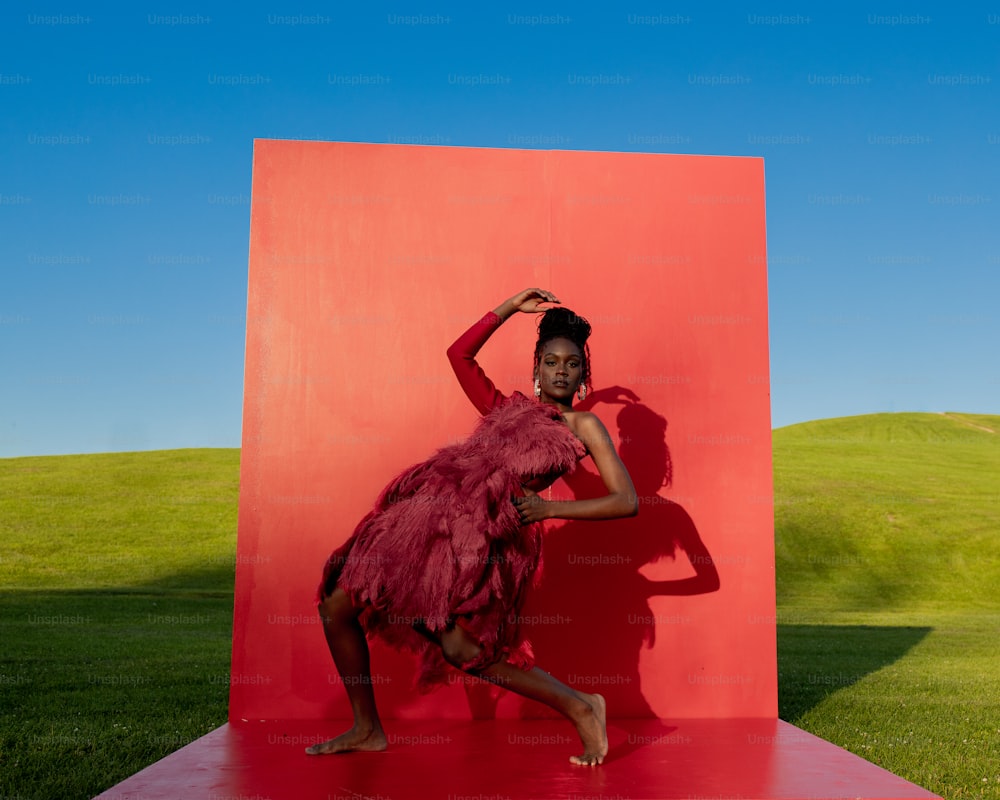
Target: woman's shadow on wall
<point>589,616</point>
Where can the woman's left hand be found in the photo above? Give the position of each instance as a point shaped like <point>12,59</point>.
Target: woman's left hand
<point>531,507</point>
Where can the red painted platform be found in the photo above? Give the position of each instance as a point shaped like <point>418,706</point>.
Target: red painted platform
<point>744,759</point>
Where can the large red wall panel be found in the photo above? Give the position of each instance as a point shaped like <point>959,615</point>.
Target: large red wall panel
<point>366,262</point>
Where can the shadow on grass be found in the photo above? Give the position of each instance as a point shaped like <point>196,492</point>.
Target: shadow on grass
<point>815,661</point>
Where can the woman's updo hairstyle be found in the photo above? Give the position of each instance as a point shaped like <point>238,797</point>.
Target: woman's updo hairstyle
<point>561,323</point>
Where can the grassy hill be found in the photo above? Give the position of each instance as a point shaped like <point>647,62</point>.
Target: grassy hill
<point>887,549</point>
<point>116,574</point>
<point>116,600</point>
<point>153,522</point>
<point>888,512</point>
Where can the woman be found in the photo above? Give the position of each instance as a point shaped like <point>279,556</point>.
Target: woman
<point>441,563</point>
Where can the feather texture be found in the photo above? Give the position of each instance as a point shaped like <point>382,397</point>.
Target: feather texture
<point>444,545</point>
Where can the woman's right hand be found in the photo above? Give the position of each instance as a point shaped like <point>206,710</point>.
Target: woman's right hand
<point>529,300</point>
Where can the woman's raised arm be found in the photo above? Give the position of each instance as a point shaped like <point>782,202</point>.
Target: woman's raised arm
<point>462,354</point>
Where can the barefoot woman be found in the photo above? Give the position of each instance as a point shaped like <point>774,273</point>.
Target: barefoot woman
<point>441,564</point>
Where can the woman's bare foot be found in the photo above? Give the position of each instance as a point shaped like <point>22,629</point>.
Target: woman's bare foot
<point>593,730</point>
<point>354,739</point>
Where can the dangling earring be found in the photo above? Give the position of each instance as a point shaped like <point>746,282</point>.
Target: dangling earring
<point>538,388</point>
<point>582,391</point>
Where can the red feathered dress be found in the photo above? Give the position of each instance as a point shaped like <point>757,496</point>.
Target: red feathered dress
<point>444,544</point>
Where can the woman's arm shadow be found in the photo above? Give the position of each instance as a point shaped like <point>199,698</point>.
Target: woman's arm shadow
<point>663,527</point>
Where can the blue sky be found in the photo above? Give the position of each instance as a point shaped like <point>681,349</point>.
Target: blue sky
<point>127,139</point>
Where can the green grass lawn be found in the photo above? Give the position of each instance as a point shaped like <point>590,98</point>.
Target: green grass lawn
<point>116,589</point>
<point>887,536</point>
<point>116,574</point>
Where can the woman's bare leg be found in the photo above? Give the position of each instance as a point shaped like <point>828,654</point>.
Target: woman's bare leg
<point>588,712</point>
<point>349,649</point>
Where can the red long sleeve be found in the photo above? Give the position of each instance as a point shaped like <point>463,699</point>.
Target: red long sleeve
<point>462,354</point>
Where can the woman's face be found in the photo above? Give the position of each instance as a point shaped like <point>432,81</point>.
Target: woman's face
<point>560,370</point>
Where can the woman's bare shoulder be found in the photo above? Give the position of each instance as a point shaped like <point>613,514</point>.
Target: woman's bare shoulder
<point>588,428</point>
